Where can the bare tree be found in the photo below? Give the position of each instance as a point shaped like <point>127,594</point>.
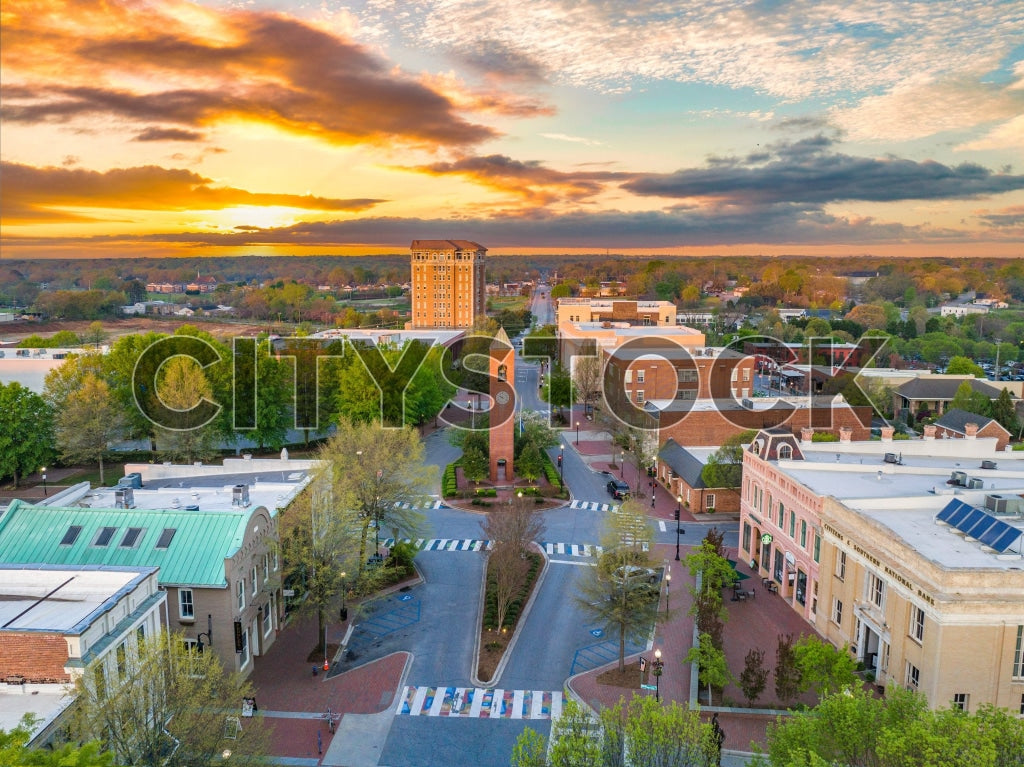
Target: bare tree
<point>511,530</point>
<point>586,378</point>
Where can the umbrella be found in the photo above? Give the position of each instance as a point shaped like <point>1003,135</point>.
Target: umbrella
<point>739,576</point>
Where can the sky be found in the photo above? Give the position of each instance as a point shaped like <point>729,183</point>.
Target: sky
<point>164,127</point>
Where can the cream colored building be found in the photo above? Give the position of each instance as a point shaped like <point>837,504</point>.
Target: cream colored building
<point>922,605</point>
<point>621,310</point>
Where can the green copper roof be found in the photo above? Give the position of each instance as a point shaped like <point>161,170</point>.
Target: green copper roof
<point>194,557</point>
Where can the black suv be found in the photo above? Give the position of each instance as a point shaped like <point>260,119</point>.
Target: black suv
<point>618,489</point>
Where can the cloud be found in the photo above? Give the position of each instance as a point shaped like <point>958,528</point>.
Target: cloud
<point>530,181</point>
<point>807,172</point>
<point>498,60</point>
<point>168,134</point>
<point>38,194</point>
<point>1008,217</point>
<point>183,66</point>
<point>572,139</point>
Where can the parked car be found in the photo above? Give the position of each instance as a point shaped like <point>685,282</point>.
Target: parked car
<point>618,489</point>
<point>635,573</point>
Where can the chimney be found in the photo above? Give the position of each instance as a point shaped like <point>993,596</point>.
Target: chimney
<point>929,431</point>
<point>887,432</point>
<point>971,430</point>
<point>806,434</point>
<point>845,433</point>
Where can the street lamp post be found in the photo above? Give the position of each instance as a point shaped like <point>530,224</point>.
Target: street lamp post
<point>997,340</point>
<point>668,589</point>
<point>577,432</point>
<point>344,610</point>
<point>561,465</point>
<point>43,470</point>
<point>622,464</point>
<point>658,665</point>
<point>208,633</point>
<point>679,508</point>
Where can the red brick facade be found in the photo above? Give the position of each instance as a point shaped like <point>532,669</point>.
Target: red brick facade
<point>991,429</point>
<point>708,428</point>
<point>37,658</point>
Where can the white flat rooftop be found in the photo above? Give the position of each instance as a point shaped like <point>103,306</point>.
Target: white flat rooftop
<point>58,599</point>
<point>182,494</point>
<point>43,701</point>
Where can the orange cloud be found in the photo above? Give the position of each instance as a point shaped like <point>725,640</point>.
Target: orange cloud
<point>32,194</point>
<point>188,67</point>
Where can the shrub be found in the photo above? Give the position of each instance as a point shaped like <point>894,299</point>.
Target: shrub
<point>824,436</point>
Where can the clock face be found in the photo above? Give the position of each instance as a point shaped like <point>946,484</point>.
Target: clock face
<point>502,397</point>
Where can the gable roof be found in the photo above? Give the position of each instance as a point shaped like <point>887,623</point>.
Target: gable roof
<point>957,419</point>
<point>194,556</point>
<point>942,388</point>
<point>684,463</point>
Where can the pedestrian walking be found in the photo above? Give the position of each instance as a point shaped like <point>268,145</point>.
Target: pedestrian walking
<point>719,737</point>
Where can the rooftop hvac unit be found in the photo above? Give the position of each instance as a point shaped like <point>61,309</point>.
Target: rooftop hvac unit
<point>988,464</point>
<point>747,403</point>
<point>997,504</point>
<point>240,495</point>
<point>959,478</point>
<point>133,480</point>
<point>192,507</point>
<point>124,498</point>
<point>891,458</point>
<point>975,483</point>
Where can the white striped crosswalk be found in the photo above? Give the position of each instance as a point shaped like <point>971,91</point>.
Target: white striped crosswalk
<point>573,549</point>
<point>480,703</point>
<point>593,505</point>
<point>442,544</point>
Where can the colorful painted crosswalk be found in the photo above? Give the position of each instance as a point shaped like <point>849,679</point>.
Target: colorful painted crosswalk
<point>480,703</point>
<point>572,549</point>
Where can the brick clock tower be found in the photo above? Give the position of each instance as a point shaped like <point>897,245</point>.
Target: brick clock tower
<point>503,400</point>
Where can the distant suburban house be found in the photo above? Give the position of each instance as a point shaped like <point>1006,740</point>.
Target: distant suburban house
<point>959,424</point>
<point>933,394</point>
<point>680,468</point>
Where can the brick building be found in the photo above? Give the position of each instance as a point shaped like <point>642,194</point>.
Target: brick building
<point>55,621</point>
<point>861,539</point>
<point>219,567</point>
<point>679,469</point>
<point>449,289</point>
<point>959,424</point>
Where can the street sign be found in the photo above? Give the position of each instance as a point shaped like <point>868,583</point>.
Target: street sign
<point>766,539</point>
<point>648,687</point>
<point>643,664</point>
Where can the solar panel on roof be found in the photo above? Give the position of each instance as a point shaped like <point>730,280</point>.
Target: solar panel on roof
<point>993,533</point>
<point>960,514</point>
<point>978,529</point>
<point>1006,540</point>
<point>946,513</point>
<point>970,520</point>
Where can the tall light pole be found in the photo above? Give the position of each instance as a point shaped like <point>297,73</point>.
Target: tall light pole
<point>577,432</point>
<point>997,340</point>
<point>561,464</point>
<point>668,589</point>
<point>679,508</point>
<point>43,470</point>
<point>658,665</point>
<point>344,610</point>
<point>622,464</point>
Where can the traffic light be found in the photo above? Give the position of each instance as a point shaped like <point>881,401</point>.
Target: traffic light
<point>675,514</point>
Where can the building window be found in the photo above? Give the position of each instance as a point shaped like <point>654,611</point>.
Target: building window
<point>837,613</point>
<point>792,525</point>
<point>1018,655</point>
<point>122,659</point>
<point>140,633</point>
<point>841,566</point>
<point>267,624</point>
<point>639,396</point>
<point>275,560</point>
<point>917,623</point>
<point>629,377</point>
<point>746,374</point>
<point>913,676</point>
<point>803,534</point>
<point>640,376</point>
<point>817,548</point>
<point>1022,704</point>
<point>746,536</point>
<point>876,589</point>
<point>709,501</point>
<point>190,645</point>
<point>688,375</point>
<point>100,680</point>
<point>243,655</point>
<point>240,590</point>
<point>255,580</point>
<point>961,701</point>
<point>266,567</point>
<point>785,452</point>
<point>686,394</point>
<point>186,610</point>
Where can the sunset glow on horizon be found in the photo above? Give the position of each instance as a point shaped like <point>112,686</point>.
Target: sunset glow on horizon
<point>168,128</point>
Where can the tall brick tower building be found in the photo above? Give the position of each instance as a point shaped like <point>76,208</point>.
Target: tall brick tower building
<point>503,415</point>
<point>448,288</point>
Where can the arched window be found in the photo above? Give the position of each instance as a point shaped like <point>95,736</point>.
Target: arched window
<point>502,372</point>
<point>785,452</point>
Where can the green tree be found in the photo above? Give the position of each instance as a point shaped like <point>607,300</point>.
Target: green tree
<point>181,386</point>
<point>475,465</point>
<point>26,431</point>
<point>724,467</point>
<point>1005,413</point>
<point>274,404</point>
<point>823,668</point>
<point>529,465</point>
<point>167,708</point>
<point>626,606</point>
<point>14,750</point>
<point>712,667</point>
<point>561,290</point>
<point>964,366</point>
<point>966,398</point>
<point>559,387</point>
<point>88,422</point>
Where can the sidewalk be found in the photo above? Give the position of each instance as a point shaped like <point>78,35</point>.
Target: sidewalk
<point>293,701</point>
